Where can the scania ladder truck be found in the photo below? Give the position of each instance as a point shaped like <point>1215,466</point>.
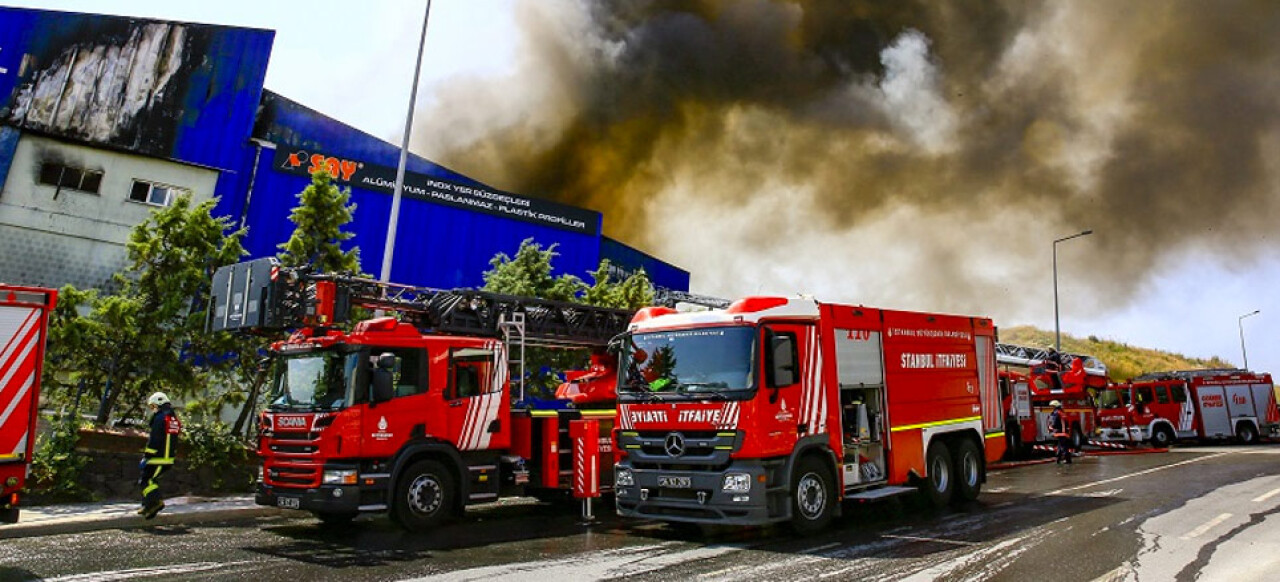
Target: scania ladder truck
<point>412,416</point>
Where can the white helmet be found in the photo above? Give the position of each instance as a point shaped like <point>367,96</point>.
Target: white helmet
<point>1055,403</point>
<point>158,399</point>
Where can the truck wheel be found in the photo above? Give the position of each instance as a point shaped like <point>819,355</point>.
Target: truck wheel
<point>937,486</point>
<point>812,496</point>
<point>335,519</point>
<point>1014,442</point>
<point>968,464</point>
<point>1077,438</point>
<point>424,496</point>
<point>1246,433</point>
<point>1162,437</point>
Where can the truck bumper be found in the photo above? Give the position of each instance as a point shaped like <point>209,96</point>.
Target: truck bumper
<point>663,494</point>
<point>323,499</point>
<point>1130,434</point>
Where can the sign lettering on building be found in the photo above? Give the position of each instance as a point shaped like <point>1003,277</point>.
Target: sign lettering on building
<point>440,191</point>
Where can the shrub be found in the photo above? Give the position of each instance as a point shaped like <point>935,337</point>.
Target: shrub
<point>56,467</point>
<point>212,445</point>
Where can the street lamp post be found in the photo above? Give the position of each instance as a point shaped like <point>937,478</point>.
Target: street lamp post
<point>1057,333</point>
<point>1240,322</point>
<point>389,248</point>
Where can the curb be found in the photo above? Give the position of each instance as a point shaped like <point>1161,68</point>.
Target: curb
<point>94,522</point>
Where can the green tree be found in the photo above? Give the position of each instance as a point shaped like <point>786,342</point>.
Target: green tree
<point>528,274</point>
<point>322,211</point>
<point>150,335</point>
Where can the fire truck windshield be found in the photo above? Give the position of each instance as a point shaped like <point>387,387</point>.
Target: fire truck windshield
<point>322,380</point>
<point>1112,399</point>
<point>710,363</point>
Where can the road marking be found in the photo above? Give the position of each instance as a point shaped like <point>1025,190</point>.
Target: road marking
<point>1208,525</point>
<point>934,540</point>
<point>134,573</point>
<point>1107,493</point>
<point>820,548</point>
<point>1143,472</point>
<point>1266,496</point>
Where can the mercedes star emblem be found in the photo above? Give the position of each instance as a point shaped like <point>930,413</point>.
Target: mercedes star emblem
<point>674,444</point>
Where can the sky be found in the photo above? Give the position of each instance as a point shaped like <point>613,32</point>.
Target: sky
<point>879,179</point>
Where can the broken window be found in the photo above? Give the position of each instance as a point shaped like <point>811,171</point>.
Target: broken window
<point>63,176</point>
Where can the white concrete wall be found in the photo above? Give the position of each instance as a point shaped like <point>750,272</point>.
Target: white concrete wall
<point>78,237</point>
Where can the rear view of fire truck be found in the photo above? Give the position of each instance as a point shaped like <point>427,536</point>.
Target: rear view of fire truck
<point>777,409</point>
<point>24,315</point>
<point>412,416</point>
<point>1031,379</point>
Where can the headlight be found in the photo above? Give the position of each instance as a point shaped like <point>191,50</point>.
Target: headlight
<point>340,477</point>
<point>261,476</point>
<point>737,482</point>
<point>623,477</point>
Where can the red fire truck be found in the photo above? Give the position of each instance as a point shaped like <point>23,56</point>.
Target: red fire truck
<point>1163,407</point>
<point>1031,379</point>
<point>24,316</point>
<point>413,416</point>
<point>775,409</point>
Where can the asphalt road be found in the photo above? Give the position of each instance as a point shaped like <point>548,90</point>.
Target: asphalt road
<point>1207,513</point>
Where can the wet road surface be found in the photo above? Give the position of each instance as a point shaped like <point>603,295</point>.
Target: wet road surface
<point>1207,513</point>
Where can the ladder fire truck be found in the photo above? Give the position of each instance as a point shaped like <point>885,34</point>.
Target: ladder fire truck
<point>776,409</point>
<point>411,416</point>
<point>1032,378</point>
<point>24,318</point>
<point>1163,407</point>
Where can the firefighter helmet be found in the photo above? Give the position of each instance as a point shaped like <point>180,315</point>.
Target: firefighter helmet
<point>158,399</point>
<point>1056,404</point>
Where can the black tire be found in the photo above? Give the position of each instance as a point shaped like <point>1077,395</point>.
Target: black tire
<point>1162,437</point>
<point>968,465</point>
<point>813,496</point>
<point>1077,438</point>
<point>1246,433</point>
<point>9,515</point>
<point>425,496</point>
<point>1013,441</point>
<point>939,482</point>
<point>335,519</point>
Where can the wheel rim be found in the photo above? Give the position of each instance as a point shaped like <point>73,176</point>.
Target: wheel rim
<point>425,495</point>
<point>811,496</point>
<point>940,474</point>
<point>971,471</point>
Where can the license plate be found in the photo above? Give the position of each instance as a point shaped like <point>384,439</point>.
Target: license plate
<point>674,482</point>
<point>287,502</point>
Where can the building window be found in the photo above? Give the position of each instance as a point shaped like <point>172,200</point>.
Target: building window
<point>58,175</point>
<point>155,194</point>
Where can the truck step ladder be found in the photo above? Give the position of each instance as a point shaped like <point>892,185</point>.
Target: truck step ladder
<point>881,492</point>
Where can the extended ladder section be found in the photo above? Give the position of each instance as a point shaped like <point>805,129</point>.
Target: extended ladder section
<point>261,295</point>
<point>669,298</point>
<point>1024,356</point>
<point>1189,374</point>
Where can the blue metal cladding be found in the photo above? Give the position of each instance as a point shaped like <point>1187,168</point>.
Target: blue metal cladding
<point>626,260</point>
<point>437,245</point>
<point>181,91</point>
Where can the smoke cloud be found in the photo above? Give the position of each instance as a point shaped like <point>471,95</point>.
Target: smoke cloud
<point>918,155</point>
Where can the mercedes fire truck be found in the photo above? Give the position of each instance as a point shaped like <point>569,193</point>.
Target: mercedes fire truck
<point>775,409</point>
<point>411,416</point>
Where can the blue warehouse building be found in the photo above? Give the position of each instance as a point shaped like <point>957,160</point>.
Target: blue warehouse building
<point>104,118</point>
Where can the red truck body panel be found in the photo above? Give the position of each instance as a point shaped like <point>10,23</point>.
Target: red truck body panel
<point>24,319</point>
<point>1201,404</point>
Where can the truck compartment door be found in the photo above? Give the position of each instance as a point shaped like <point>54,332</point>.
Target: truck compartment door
<point>1214,420</point>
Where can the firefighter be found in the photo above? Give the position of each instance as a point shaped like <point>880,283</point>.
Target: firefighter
<point>157,458</point>
<point>1058,426</point>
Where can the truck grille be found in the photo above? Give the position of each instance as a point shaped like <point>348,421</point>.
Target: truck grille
<point>299,475</point>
